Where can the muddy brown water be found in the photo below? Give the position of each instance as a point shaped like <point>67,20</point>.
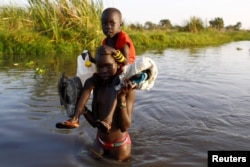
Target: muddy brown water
<point>200,102</point>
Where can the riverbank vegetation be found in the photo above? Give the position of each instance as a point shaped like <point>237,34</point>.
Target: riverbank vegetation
<point>68,27</point>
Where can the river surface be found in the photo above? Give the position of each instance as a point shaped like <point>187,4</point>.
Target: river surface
<point>200,102</point>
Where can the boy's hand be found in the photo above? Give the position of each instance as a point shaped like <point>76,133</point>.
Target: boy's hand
<point>127,86</point>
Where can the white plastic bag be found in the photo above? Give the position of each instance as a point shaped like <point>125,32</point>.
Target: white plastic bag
<point>84,72</point>
<point>141,64</point>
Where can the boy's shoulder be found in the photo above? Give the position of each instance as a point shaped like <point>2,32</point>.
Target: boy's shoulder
<point>124,37</point>
<point>123,33</point>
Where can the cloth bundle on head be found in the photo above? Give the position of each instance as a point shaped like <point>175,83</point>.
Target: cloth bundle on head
<point>142,64</point>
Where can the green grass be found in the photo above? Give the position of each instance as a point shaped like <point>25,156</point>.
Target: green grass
<point>53,27</point>
<point>63,27</point>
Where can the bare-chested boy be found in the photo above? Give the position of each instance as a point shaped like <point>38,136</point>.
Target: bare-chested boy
<point>124,53</point>
<point>106,99</point>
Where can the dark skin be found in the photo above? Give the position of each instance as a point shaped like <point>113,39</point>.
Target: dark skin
<point>105,121</point>
<point>108,99</point>
<point>111,20</point>
<point>111,26</point>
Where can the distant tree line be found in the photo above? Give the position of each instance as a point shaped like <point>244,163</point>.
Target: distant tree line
<point>194,24</point>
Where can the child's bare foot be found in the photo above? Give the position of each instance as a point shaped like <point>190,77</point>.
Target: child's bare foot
<point>69,124</point>
<point>103,126</point>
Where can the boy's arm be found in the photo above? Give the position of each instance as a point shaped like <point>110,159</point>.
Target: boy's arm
<point>125,52</point>
<point>125,104</point>
<point>89,117</point>
<point>121,56</point>
<point>85,94</point>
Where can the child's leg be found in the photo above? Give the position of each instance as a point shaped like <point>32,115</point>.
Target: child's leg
<point>75,104</point>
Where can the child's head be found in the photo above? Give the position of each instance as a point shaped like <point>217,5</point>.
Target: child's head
<point>105,62</point>
<point>111,22</point>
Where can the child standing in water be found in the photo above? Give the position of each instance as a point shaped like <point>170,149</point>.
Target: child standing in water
<point>106,99</point>
<point>111,20</point>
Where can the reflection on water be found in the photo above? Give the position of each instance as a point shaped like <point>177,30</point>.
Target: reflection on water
<point>200,102</point>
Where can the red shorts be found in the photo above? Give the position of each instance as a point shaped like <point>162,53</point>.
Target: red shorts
<point>118,143</point>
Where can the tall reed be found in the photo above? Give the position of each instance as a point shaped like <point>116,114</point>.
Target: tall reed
<point>47,27</point>
<point>70,20</point>
<point>68,26</point>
